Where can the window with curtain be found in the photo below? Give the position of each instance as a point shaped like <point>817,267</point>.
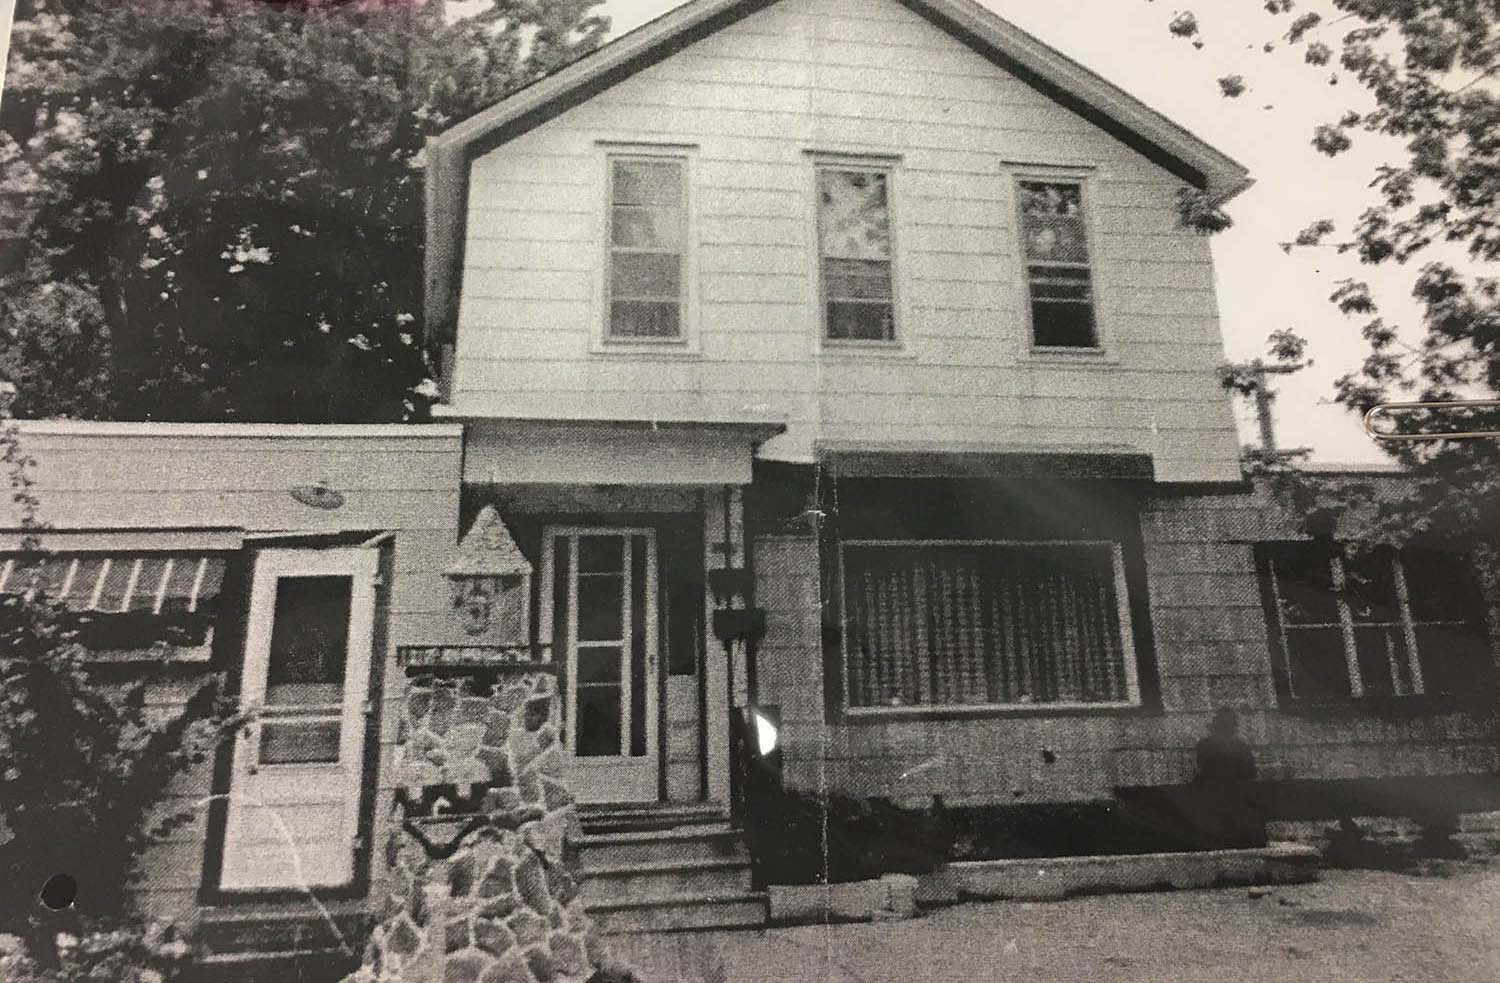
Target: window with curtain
<point>1376,625</point>
<point>647,222</point>
<point>1058,277</point>
<point>854,250</point>
<point>986,623</point>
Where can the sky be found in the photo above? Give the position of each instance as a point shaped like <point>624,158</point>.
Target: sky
<point>1260,288</point>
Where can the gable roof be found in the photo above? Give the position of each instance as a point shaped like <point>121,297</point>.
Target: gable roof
<point>1012,49</point>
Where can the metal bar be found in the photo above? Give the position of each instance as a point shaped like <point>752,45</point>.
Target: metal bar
<point>1457,404</point>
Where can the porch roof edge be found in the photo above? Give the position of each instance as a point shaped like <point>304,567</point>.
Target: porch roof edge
<point>866,460</point>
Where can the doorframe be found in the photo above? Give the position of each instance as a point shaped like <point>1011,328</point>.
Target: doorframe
<point>230,649</point>
<point>566,662</point>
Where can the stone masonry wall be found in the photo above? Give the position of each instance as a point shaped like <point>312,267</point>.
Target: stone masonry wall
<point>499,905</point>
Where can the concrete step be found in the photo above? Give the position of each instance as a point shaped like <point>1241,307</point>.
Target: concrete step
<point>712,841</point>
<point>681,912</point>
<point>648,816</point>
<point>605,885</point>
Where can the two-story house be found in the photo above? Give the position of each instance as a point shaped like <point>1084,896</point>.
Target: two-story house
<point>841,357</point>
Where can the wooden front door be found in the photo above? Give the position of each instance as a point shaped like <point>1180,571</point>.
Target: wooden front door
<point>599,608</point>
<point>294,792</point>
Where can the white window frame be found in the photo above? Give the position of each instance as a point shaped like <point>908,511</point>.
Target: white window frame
<point>1122,602</point>
<point>1084,177</point>
<point>873,163</point>
<point>687,340</point>
<point>1346,625</point>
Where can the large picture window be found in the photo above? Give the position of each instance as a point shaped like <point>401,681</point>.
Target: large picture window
<point>854,250</point>
<point>1374,625</point>
<point>967,623</point>
<point>1059,281</point>
<point>647,223</point>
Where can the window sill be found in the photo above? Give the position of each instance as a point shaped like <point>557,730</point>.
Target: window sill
<point>990,710</point>
<point>1388,706</point>
<point>674,348</point>
<point>854,349</point>
<point>1063,355</point>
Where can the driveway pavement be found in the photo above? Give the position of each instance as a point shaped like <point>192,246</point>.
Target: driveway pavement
<point>1351,925</point>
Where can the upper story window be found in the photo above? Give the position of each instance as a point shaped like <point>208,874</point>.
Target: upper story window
<point>647,233</point>
<point>1371,626</point>
<point>1059,280</point>
<point>854,253</point>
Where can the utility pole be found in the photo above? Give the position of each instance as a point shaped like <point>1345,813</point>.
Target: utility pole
<point>1252,379</point>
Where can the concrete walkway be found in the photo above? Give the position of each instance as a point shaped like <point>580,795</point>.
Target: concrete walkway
<point>1352,925</point>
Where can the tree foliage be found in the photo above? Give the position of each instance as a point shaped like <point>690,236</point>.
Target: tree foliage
<point>212,209</point>
<point>1428,80</point>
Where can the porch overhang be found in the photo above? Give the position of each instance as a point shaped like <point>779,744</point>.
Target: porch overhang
<point>126,540</point>
<point>868,460</point>
<point>613,452</point>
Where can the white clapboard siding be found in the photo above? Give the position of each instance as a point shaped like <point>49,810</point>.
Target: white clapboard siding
<point>750,102</point>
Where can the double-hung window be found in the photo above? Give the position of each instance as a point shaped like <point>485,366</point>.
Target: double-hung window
<point>970,623</point>
<point>1059,280</point>
<point>647,234</point>
<point>1372,625</point>
<point>855,253</point>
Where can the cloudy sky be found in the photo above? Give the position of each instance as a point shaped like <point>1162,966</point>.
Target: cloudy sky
<point>1261,289</point>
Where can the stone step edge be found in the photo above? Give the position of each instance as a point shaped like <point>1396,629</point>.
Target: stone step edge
<point>648,868</point>
<point>252,956</point>
<point>697,832</point>
<point>300,910</point>
<point>677,901</point>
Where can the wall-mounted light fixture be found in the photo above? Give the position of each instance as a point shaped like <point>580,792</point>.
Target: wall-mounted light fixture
<point>318,496</point>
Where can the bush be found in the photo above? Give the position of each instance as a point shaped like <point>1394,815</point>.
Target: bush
<point>800,837</point>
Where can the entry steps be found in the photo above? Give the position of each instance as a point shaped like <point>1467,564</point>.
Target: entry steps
<point>666,868</point>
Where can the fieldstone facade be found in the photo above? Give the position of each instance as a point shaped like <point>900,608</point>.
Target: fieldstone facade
<point>483,876</point>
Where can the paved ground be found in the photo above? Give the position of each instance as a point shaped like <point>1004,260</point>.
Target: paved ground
<point>1351,926</point>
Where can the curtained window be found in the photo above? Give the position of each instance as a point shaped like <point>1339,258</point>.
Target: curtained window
<point>647,223</point>
<point>854,253</point>
<point>1058,276</point>
<point>1373,625</point>
<point>972,623</point>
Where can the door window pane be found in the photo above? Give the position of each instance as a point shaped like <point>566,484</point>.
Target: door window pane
<point>598,722</point>
<point>299,742</point>
<point>601,554</point>
<point>597,664</point>
<point>600,618</point>
<point>309,640</point>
